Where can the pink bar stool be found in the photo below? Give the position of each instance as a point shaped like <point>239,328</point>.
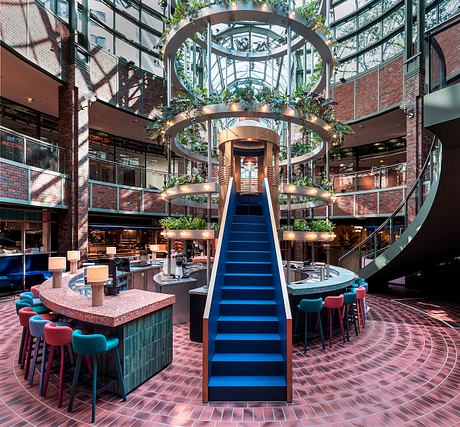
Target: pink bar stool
<point>360,295</point>
<point>334,304</point>
<point>25,314</point>
<point>35,290</point>
<point>57,337</point>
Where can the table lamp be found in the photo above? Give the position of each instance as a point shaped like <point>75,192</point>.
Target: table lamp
<point>73,257</point>
<point>96,276</point>
<point>57,265</point>
<point>154,249</point>
<point>111,251</point>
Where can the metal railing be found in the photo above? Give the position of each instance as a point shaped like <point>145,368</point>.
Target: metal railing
<point>20,148</point>
<point>390,230</point>
<point>119,174</point>
<point>371,179</point>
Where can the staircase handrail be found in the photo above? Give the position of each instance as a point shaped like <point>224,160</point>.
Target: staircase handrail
<point>287,307</point>
<point>211,286</point>
<point>414,186</point>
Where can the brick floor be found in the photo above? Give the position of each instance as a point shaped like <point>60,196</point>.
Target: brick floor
<point>402,370</point>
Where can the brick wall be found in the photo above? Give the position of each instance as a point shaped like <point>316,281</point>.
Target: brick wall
<point>104,197</point>
<point>390,200</point>
<point>130,200</point>
<point>46,188</point>
<point>377,90</point>
<point>130,88</point>
<point>36,34</point>
<point>449,41</point>
<point>13,182</point>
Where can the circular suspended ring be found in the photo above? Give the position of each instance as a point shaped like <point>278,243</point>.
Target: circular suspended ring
<point>247,11</point>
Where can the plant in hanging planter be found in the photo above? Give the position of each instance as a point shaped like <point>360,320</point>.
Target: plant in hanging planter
<point>297,150</point>
<point>192,140</point>
<point>322,225</point>
<point>183,223</point>
<point>174,181</point>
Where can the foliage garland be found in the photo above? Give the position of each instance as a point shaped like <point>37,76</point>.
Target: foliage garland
<point>317,225</point>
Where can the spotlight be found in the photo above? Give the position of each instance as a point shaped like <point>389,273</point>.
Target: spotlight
<point>343,80</point>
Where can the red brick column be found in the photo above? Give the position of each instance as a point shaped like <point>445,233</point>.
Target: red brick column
<point>73,136</point>
<point>418,139</point>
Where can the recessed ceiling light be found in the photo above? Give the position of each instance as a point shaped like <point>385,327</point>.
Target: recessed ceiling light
<point>361,126</point>
<point>341,165</point>
<point>29,100</point>
<point>381,161</point>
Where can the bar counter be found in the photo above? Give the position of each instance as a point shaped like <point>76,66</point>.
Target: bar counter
<point>141,320</point>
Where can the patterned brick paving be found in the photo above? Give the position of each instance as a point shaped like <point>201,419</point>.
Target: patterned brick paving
<point>402,370</point>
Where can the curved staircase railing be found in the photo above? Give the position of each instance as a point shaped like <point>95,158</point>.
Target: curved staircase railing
<point>397,222</point>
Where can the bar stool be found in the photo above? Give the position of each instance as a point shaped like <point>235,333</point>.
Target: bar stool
<point>349,299</point>
<point>310,306</point>
<point>37,330</point>
<point>57,337</point>
<point>25,314</point>
<point>334,303</point>
<point>35,290</point>
<point>92,345</point>
<point>30,298</point>
<point>360,295</point>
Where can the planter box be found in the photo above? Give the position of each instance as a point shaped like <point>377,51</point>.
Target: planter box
<point>190,234</point>
<point>308,236</point>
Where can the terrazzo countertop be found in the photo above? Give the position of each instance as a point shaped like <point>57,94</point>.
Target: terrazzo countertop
<point>340,278</point>
<point>115,311</point>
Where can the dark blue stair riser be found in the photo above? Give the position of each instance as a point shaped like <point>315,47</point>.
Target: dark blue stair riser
<point>247,279</point>
<point>248,346</point>
<point>250,293</point>
<point>245,226</point>
<point>250,256</point>
<point>247,310</point>
<point>254,327</point>
<point>238,368</point>
<point>245,245</point>
<point>247,236</point>
<point>258,219</point>
<point>247,393</point>
<point>248,267</point>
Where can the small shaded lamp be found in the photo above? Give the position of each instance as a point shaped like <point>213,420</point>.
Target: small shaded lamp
<point>57,265</point>
<point>73,257</point>
<point>154,249</point>
<point>111,251</point>
<point>96,276</point>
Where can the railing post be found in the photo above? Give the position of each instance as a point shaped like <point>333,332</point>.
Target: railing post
<point>391,231</point>
<point>375,244</point>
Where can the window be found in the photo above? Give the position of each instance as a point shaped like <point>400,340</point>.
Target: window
<point>344,9</point>
<point>127,28</point>
<point>127,51</point>
<point>345,28</point>
<point>150,20</point>
<point>371,35</point>
<point>99,15</point>
<point>369,15</point>
<point>393,46</point>
<point>369,59</point>
<point>393,21</point>
<point>98,41</point>
<point>347,47</point>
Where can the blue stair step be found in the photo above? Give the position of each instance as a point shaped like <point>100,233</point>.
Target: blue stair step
<point>248,292</point>
<point>247,342</point>
<point>244,244</point>
<point>249,219</point>
<point>248,364</point>
<point>256,236</point>
<point>248,255</point>
<point>248,267</point>
<point>247,307</point>
<point>249,226</point>
<point>247,388</point>
<point>249,324</point>
<point>235,279</point>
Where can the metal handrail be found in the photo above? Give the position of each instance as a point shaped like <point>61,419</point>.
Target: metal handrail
<point>31,138</point>
<point>419,181</point>
<point>375,170</point>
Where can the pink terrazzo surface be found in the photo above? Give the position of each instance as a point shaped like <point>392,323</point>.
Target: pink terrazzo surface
<point>115,311</point>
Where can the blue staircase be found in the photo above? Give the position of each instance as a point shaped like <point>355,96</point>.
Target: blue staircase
<point>247,340</point>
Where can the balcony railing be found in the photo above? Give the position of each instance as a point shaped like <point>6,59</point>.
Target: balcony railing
<point>20,148</point>
<point>372,179</point>
<point>119,174</point>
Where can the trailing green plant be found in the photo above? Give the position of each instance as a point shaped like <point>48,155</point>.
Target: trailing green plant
<point>182,180</point>
<point>184,223</point>
<point>316,225</point>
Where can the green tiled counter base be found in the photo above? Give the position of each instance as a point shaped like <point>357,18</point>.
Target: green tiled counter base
<point>147,347</point>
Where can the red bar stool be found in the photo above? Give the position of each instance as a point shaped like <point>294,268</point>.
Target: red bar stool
<point>25,314</point>
<point>35,290</point>
<point>57,337</point>
<point>334,303</point>
<point>360,295</point>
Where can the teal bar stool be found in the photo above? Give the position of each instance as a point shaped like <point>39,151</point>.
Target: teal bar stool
<point>311,306</point>
<point>349,300</point>
<point>92,345</point>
